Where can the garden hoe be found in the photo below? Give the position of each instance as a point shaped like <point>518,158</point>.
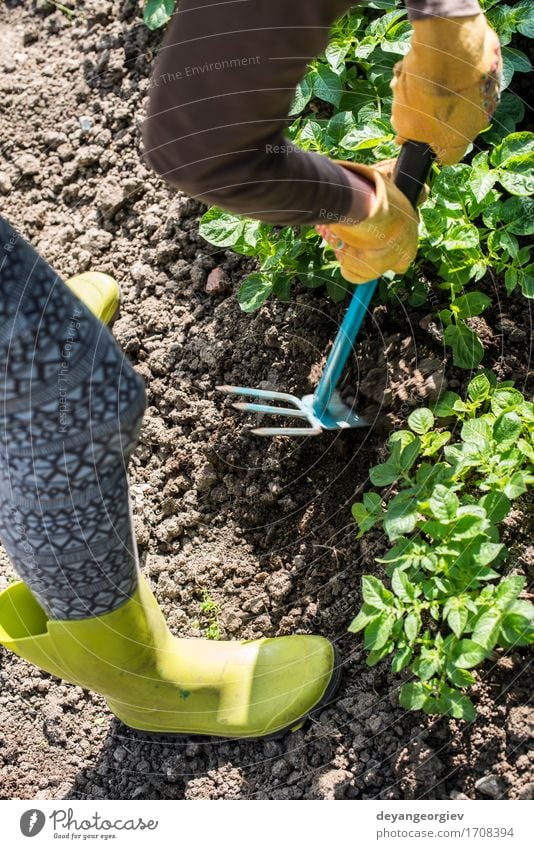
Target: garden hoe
<point>325,410</point>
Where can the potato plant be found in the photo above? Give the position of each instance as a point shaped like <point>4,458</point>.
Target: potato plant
<point>452,598</point>
<point>477,216</point>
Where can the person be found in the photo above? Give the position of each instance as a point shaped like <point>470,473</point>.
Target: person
<point>222,87</point>
<point>72,404</point>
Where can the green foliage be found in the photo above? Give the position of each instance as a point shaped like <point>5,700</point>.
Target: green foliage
<point>156,13</point>
<point>476,215</point>
<point>449,605</point>
<point>281,259</point>
<point>211,611</point>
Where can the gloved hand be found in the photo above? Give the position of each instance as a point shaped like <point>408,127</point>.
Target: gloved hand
<point>386,240</point>
<point>447,87</point>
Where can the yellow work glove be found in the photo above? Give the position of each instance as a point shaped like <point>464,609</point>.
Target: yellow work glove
<point>386,240</point>
<point>447,87</point>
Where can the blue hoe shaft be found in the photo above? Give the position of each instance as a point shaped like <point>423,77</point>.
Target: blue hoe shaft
<point>343,343</point>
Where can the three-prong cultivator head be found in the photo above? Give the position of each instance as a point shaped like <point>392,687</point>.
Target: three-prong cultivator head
<point>336,416</point>
<point>324,410</point>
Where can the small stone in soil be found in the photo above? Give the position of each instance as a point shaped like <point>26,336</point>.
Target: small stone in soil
<point>28,165</point>
<point>85,123</point>
<point>490,785</point>
<point>217,282</point>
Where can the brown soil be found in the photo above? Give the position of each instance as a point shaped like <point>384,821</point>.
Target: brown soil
<point>264,526</point>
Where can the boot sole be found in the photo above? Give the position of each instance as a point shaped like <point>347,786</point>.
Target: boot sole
<point>171,736</point>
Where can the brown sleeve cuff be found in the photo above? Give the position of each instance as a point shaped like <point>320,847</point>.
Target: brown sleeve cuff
<point>418,9</point>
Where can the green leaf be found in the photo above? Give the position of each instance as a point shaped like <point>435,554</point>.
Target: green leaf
<point>156,13</point>
<point>402,586</point>
<point>427,665</point>
<point>378,631</point>
<point>471,522</point>
<point>518,182</point>
<point>443,408</point>
<point>510,279</point>
<point>526,280</point>
<point>502,242</point>
<point>303,95</point>
<point>434,442</point>
<point>398,525</point>
<point>398,441</point>
<point>412,695</point>
<point>461,237</point>
<point>412,624</point>
<point>517,59</point>
<point>517,485</point>
<point>383,475</point>
<point>401,659</point>
<point>221,228</point>
<point>459,677</point>
<point>335,53</point>
<point>467,348</point>
<point>282,287</point>
<point>477,431</point>
<point>339,125</point>
<point>514,148</point>
<point>487,629</point>
<point>479,388</point>
<point>481,179</point>
<point>515,160</point>
<point>467,654</point>
<point>375,594</point>
<point>506,429</point>
<point>366,136</point>
<point>444,503</point>
<point>508,589</point>
<point>518,215</point>
<point>459,705</point>
<point>506,399</point>
<point>337,290</point>
<point>524,18</point>
<point>368,513</point>
<point>487,553</point>
<point>409,455</point>
<point>377,655</point>
<point>373,503</point>
<point>365,615</point>
<point>516,630</point>
<point>496,505</point>
<point>456,615</point>
<point>470,304</point>
<point>421,420</point>
<point>327,85</point>
<point>254,292</point>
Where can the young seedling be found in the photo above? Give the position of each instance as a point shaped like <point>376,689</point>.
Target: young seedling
<point>211,611</point>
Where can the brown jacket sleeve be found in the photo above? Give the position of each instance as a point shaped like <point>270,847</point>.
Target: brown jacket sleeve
<point>220,94</point>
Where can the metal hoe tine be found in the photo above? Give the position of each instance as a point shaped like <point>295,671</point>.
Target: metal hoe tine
<point>257,393</point>
<point>274,411</point>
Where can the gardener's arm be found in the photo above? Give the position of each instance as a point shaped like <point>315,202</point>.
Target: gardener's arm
<point>220,94</point>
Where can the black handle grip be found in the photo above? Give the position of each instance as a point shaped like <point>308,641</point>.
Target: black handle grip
<point>412,168</point>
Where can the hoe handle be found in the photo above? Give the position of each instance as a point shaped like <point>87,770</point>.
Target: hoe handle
<point>411,171</point>
<point>412,168</point>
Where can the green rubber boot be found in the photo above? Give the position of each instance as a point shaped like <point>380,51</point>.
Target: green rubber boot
<point>98,291</point>
<point>156,682</point>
